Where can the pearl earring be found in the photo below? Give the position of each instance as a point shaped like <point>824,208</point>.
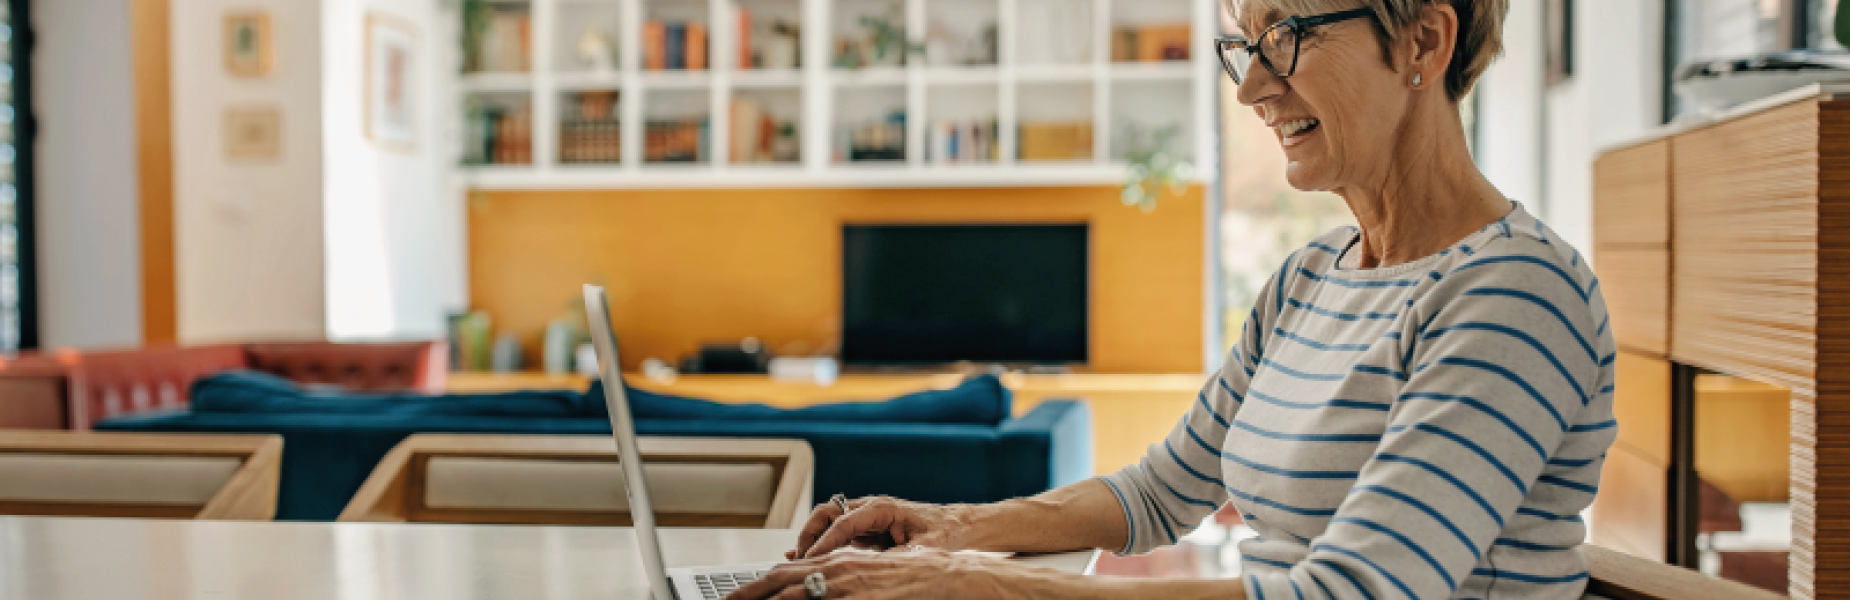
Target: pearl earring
<point>1416,79</point>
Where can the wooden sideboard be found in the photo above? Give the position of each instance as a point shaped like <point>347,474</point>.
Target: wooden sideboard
<point>1722,247</point>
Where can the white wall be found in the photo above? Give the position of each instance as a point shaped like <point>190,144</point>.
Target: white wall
<point>396,258</point>
<point>248,235</point>
<point>1541,143</point>
<point>88,215</point>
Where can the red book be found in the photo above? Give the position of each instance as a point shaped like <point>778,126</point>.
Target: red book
<point>745,39</point>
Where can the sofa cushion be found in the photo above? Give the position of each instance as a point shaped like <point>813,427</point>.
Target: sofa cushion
<point>980,400</point>
<point>255,392</point>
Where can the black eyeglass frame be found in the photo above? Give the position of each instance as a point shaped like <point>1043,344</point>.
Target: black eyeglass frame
<point>1297,24</point>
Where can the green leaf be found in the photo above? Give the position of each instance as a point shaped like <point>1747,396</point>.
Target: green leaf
<point>1843,25</point>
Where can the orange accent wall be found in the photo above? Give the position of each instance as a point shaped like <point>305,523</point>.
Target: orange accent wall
<point>683,267</point>
<point>154,135</point>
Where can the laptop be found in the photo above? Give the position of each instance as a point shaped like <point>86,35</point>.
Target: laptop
<point>697,583</point>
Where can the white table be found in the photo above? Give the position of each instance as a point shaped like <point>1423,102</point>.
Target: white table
<point>129,559</point>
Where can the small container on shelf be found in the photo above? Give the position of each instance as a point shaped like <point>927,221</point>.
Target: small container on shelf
<point>1151,31</point>
<point>770,35</point>
<point>587,36</point>
<point>500,129</point>
<point>675,127</point>
<point>676,36</point>
<point>870,124</point>
<point>764,126</point>
<point>1055,122</point>
<point>962,33</point>
<point>961,125</point>
<point>588,128</point>
<point>498,38</point>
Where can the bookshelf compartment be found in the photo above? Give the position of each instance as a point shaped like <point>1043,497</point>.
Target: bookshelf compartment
<point>868,34</point>
<point>1055,122</point>
<point>870,125</point>
<point>1141,110</point>
<point>676,36</point>
<point>589,131</point>
<point>770,35</point>
<point>675,127</point>
<point>588,36</point>
<point>962,126</point>
<point>504,41</point>
<point>1055,32</point>
<point>962,33</point>
<point>1152,31</point>
<point>500,129</point>
<point>764,126</point>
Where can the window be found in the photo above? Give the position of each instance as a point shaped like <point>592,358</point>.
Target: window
<point>18,273</point>
<point>1704,29</point>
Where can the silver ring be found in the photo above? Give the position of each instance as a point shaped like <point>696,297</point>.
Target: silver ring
<point>817,586</point>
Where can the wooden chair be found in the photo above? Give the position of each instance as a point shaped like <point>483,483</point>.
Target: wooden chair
<point>576,480</point>
<point>142,475</point>
<point>1621,576</point>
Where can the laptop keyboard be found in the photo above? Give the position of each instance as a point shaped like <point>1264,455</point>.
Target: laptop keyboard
<point>715,585</point>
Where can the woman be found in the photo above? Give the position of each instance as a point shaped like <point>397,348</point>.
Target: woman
<point>1419,406</point>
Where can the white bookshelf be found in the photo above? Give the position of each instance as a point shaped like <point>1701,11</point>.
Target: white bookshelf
<point>1053,64</point>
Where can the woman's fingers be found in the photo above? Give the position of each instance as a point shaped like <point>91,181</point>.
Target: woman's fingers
<point>776,581</point>
<point>874,516</point>
<point>819,521</point>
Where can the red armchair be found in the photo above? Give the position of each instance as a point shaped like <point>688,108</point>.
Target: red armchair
<point>104,384</point>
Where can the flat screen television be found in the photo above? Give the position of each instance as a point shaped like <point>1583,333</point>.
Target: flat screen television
<point>931,294</point>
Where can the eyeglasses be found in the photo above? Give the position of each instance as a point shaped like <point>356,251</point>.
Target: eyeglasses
<point>1277,46</point>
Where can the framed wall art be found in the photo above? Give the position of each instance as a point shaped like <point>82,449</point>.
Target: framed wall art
<point>248,44</point>
<point>253,133</point>
<point>391,102</point>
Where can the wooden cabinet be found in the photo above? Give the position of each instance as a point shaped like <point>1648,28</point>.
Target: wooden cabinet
<point>1722,246</point>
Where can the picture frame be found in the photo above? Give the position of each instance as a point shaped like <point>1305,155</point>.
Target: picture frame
<point>253,133</point>
<point>248,43</point>
<point>1558,40</point>
<point>391,100</point>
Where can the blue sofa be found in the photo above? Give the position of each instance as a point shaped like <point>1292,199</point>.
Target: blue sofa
<point>957,445</point>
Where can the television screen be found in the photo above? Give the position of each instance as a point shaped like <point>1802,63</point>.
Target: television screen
<point>920,294</point>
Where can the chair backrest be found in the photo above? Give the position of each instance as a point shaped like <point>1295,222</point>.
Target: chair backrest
<point>1621,576</point>
<point>105,384</point>
<point>576,480</point>
<point>143,475</point>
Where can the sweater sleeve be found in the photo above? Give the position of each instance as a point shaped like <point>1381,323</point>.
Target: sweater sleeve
<point>1177,484</point>
<point>1504,357</point>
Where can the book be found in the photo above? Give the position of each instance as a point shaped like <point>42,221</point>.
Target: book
<point>696,46</point>
<point>676,38</point>
<point>745,39</point>
<point>746,129</point>
<point>1163,42</point>
<point>654,45</point>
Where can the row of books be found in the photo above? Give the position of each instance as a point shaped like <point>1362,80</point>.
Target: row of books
<point>505,137</point>
<point>1150,43</point>
<point>585,141</point>
<point>961,141</point>
<point>506,43</point>
<point>675,140</point>
<point>674,45</point>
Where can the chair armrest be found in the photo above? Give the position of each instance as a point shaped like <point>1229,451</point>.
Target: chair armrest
<point>1049,447</point>
<point>1621,576</point>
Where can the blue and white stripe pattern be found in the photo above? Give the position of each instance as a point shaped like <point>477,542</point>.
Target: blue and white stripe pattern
<point>1427,430</point>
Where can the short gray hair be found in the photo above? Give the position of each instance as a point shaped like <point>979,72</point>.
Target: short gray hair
<point>1480,28</point>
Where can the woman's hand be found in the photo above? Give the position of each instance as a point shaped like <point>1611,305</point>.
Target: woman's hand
<point>880,523</point>
<point>900,574</point>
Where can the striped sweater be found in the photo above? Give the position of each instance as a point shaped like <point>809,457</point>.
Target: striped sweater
<point>1426,430</point>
